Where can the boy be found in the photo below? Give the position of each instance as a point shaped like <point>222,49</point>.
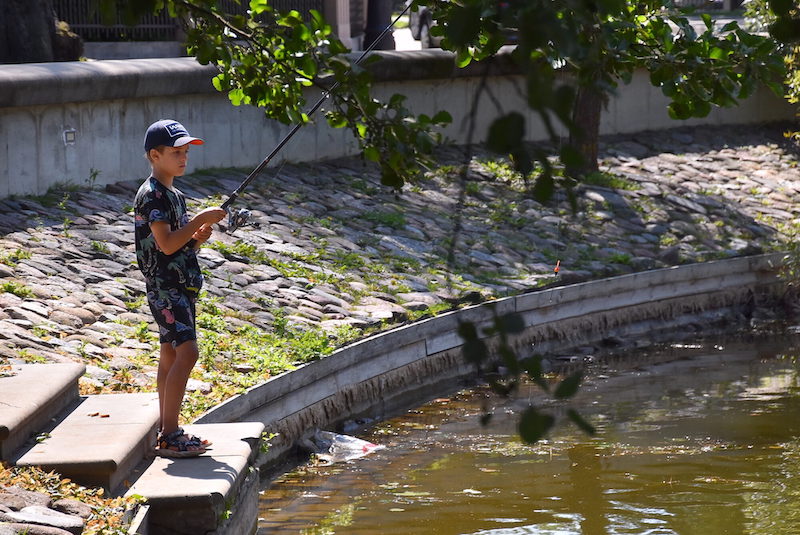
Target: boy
<point>166,251</point>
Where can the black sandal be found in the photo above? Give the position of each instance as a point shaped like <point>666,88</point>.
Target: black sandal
<point>170,445</point>
<point>202,441</point>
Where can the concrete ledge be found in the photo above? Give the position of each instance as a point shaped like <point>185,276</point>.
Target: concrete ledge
<point>100,441</point>
<point>384,373</point>
<point>31,397</point>
<point>36,84</point>
<point>216,492</point>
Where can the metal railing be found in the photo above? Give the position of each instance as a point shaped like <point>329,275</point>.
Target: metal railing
<point>90,26</point>
<point>709,5</point>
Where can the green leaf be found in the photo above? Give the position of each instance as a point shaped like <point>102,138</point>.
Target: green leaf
<point>236,96</point>
<point>569,386</point>
<point>533,425</point>
<point>511,323</point>
<point>372,154</point>
<point>571,157</point>
<point>510,359</point>
<point>701,108</point>
<point>506,133</point>
<point>582,424</point>
<point>785,29</point>
<point>442,117</point>
<point>259,6</point>
<point>463,58</point>
<point>521,160</point>
<point>337,120</point>
<point>717,53</point>
<point>679,110</point>
<point>501,389</point>
<point>467,330</point>
<point>544,187</point>
<point>475,351</point>
<point>780,7</point>
<point>390,177</point>
<point>463,24</point>
<point>533,366</point>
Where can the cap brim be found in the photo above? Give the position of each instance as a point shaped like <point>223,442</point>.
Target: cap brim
<point>186,140</point>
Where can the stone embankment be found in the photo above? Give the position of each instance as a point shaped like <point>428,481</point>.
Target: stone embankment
<point>336,252</point>
<point>36,513</point>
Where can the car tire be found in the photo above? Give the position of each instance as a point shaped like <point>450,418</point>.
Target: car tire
<point>425,34</point>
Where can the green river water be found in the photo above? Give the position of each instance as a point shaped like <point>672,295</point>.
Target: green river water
<point>708,443</point>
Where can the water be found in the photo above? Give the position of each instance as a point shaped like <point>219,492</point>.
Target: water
<point>707,444</point>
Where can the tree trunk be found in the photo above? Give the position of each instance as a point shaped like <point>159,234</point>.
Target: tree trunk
<point>27,28</point>
<point>586,116</point>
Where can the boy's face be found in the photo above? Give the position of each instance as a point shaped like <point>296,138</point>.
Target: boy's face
<point>170,161</point>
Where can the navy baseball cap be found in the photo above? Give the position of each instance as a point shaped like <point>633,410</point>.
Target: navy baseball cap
<point>170,133</point>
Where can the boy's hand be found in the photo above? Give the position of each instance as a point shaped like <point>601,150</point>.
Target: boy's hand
<point>202,235</point>
<point>212,215</point>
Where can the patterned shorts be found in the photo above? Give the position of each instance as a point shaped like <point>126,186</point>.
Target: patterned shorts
<point>174,312</point>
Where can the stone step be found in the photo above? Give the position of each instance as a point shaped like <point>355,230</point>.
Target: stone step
<point>99,442</point>
<point>194,495</point>
<point>31,395</point>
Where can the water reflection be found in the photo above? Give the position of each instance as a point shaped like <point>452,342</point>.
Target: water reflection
<point>700,445</point>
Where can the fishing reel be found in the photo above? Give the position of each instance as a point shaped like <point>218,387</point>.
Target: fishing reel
<point>240,218</point>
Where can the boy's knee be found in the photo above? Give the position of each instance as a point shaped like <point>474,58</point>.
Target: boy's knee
<point>187,351</point>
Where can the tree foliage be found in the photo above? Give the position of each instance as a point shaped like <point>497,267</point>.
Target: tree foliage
<point>599,44</point>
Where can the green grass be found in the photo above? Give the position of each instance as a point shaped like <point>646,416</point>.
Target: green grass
<point>11,258</point>
<point>391,219</point>
<point>225,346</point>
<point>501,169</point>
<point>20,290</point>
<point>609,180</point>
<point>100,247</point>
<point>620,258</point>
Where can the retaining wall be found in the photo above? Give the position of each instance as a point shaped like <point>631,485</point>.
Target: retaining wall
<point>393,371</point>
<point>68,122</point>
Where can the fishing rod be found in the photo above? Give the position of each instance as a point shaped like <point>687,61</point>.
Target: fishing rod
<point>241,217</point>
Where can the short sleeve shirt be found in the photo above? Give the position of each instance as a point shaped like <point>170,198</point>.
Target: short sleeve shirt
<point>180,270</point>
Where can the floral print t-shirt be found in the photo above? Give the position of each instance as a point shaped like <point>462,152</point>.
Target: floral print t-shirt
<point>180,270</point>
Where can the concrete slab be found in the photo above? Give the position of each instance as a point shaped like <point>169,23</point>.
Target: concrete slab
<point>196,494</point>
<point>30,396</point>
<point>100,441</point>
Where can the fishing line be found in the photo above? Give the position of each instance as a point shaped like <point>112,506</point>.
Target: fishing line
<point>241,217</point>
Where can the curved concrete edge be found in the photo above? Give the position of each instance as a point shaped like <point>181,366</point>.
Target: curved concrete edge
<point>386,372</point>
<point>138,525</point>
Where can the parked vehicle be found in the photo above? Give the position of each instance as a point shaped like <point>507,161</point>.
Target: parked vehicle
<point>420,23</point>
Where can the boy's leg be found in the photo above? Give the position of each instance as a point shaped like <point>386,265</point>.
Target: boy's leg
<point>165,362</point>
<point>175,312</point>
<point>174,384</point>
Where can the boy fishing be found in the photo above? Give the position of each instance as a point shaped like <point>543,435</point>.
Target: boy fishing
<point>167,241</point>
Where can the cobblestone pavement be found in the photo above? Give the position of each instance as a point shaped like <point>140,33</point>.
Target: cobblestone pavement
<point>336,251</point>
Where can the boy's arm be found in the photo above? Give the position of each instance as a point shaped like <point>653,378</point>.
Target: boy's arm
<point>170,241</point>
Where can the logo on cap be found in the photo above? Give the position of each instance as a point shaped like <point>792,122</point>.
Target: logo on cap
<point>176,129</point>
